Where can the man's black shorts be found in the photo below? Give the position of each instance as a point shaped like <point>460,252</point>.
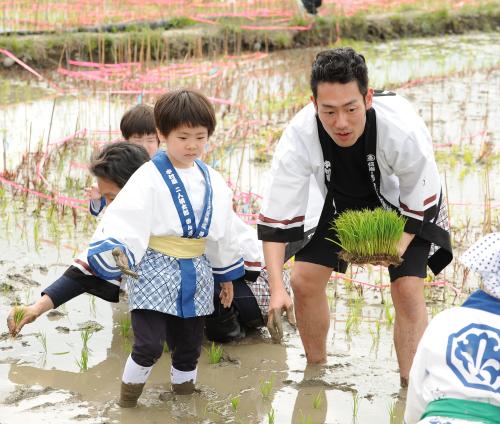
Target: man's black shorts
<point>325,252</point>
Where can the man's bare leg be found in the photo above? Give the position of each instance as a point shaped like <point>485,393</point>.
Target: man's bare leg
<point>311,308</point>
<point>411,320</point>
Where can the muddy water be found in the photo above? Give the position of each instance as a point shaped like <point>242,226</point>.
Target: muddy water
<point>39,384</point>
<point>357,363</point>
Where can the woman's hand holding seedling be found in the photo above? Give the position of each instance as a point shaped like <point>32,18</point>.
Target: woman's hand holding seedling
<point>226,294</point>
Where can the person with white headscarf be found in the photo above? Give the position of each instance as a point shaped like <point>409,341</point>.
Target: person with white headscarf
<point>455,376</point>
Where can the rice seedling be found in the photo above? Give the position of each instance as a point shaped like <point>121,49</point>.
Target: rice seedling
<point>389,316</point>
<point>271,416</point>
<point>86,335</point>
<point>355,405</point>
<point>235,402</point>
<point>125,326</point>
<point>42,338</point>
<point>317,401</point>
<point>27,296</point>
<point>19,314</point>
<point>84,360</point>
<point>215,353</point>
<point>266,387</point>
<point>368,236</point>
<point>305,419</point>
<point>92,305</point>
<point>391,409</point>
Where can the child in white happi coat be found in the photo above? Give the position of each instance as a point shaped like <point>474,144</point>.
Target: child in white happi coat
<point>455,376</point>
<point>171,222</point>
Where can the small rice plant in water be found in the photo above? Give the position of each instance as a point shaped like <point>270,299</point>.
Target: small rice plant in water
<point>19,313</point>
<point>235,402</point>
<point>125,326</point>
<point>83,363</point>
<point>85,334</point>
<point>42,338</point>
<point>355,405</point>
<point>318,399</point>
<point>305,419</point>
<point>266,387</point>
<point>369,236</point>
<point>389,316</point>
<point>214,353</point>
<point>391,409</point>
<point>271,416</point>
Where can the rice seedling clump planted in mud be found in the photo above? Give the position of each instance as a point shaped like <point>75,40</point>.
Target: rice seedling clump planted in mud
<point>369,236</point>
<point>214,353</point>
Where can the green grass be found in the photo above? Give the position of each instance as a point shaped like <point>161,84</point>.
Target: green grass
<point>367,234</point>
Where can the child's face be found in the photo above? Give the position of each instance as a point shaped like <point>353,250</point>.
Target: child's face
<point>148,141</point>
<point>108,189</point>
<point>185,145</point>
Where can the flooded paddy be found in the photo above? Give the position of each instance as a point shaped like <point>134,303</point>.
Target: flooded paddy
<point>47,140</point>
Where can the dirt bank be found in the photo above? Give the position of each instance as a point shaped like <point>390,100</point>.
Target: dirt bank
<point>184,39</point>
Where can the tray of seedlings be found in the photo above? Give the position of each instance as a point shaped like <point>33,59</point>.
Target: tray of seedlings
<point>369,236</point>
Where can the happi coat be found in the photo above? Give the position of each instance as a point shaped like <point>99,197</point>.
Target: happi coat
<point>154,203</point>
<point>400,165</point>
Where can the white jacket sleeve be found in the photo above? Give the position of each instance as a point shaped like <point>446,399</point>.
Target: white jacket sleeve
<point>224,253</point>
<point>126,223</point>
<point>285,202</point>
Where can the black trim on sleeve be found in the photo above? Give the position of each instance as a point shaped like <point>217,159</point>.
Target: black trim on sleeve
<point>280,235</point>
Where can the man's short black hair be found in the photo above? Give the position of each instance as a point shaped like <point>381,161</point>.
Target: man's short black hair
<point>341,65</point>
<point>139,120</point>
<point>117,162</point>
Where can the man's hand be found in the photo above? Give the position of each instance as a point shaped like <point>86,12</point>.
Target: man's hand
<point>226,294</point>
<point>122,262</point>
<point>279,302</point>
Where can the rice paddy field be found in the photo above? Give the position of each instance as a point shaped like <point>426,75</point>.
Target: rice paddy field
<point>66,367</point>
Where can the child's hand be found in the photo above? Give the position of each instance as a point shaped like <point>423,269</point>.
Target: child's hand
<point>226,294</point>
<point>92,193</point>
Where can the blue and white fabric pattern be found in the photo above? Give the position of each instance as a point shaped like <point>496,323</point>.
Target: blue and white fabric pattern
<point>103,268</point>
<point>156,202</point>
<point>161,286</point>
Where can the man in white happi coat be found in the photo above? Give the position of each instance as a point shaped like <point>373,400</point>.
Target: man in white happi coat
<point>362,149</point>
